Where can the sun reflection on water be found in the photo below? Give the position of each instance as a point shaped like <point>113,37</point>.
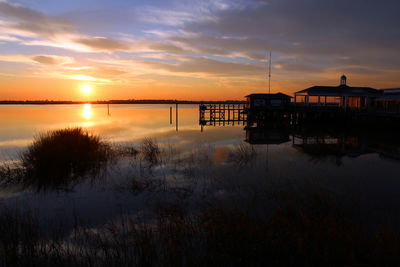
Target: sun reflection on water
<point>87,111</point>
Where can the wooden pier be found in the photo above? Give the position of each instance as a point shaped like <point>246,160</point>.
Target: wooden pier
<point>222,114</point>
<point>293,114</point>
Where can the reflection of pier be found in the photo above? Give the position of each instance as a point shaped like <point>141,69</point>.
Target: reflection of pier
<point>255,135</point>
<point>222,114</point>
<point>322,146</point>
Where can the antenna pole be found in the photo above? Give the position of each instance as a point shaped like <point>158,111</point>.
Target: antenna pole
<point>269,74</point>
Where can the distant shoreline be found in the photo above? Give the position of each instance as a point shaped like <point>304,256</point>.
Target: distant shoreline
<point>40,102</point>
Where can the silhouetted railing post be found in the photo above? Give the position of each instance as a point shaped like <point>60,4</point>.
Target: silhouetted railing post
<point>229,113</point>
<point>176,113</point>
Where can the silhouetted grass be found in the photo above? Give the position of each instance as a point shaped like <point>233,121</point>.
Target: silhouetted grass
<point>304,230</point>
<point>242,154</point>
<point>306,226</point>
<point>150,150</point>
<point>56,158</point>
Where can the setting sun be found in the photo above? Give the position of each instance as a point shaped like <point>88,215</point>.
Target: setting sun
<point>86,89</point>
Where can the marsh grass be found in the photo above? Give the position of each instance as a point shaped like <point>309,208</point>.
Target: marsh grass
<point>304,226</point>
<point>242,154</point>
<point>58,158</point>
<point>150,150</point>
<point>304,230</point>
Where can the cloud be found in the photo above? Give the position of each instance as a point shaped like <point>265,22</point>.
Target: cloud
<point>85,78</point>
<point>358,29</point>
<point>15,58</point>
<point>212,38</point>
<point>103,44</point>
<point>8,38</point>
<point>209,67</point>
<point>29,20</point>
<point>167,47</point>
<point>51,60</point>
<point>52,31</point>
<point>43,59</point>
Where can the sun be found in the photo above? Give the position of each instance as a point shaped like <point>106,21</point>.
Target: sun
<point>86,89</point>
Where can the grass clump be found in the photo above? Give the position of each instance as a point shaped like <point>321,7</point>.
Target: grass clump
<point>242,154</point>
<point>305,229</point>
<point>58,156</point>
<point>150,150</point>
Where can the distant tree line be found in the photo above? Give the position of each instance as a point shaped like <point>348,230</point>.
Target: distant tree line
<point>129,101</point>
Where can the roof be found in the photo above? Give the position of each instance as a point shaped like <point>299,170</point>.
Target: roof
<point>389,91</point>
<point>277,95</point>
<point>392,97</point>
<point>340,90</point>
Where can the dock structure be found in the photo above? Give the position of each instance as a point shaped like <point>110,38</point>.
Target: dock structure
<point>341,104</point>
<point>222,114</point>
<point>298,114</point>
<point>294,114</point>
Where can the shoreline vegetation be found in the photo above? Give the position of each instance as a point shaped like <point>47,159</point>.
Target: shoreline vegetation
<point>129,101</point>
<point>272,224</point>
<point>308,230</point>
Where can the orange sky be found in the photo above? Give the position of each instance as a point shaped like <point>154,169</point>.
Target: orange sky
<point>205,50</point>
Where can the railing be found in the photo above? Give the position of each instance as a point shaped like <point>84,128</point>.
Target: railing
<point>221,114</point>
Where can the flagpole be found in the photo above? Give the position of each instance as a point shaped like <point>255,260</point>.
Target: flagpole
<point>269,74</point>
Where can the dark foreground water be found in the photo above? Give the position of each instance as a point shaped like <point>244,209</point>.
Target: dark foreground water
<point>195,168</point>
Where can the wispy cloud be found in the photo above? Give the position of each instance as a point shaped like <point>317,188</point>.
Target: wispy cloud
<point>103,44</point>
<point>51,60</point>
<point>307,28</point>
<point>29,20</point>
<point>51,31</point>
<point>42,59</point>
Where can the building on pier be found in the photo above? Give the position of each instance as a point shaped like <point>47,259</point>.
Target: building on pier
<point>389,101</point>
<point>343,96</point>
<point>267,101</point>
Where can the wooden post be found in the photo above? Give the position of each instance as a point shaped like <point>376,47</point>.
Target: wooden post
<point>229,113</point>
<point>170,114</point>
<point>176,114</point>
<point>233,114</point>
<point>108,109</point>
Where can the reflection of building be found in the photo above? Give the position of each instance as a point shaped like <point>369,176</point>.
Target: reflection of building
<point>342,96</point>
<point>267,101</point>
<point>256,135</point>
<point>323,146</point>
<point>339,145</point>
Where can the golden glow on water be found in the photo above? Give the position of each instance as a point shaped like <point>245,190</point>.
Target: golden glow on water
<point>126,123</point>
<point>87,111</point>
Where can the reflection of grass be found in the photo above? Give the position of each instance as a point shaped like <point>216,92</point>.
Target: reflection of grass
<point>285,226</point>
<point>304,230</point>
<point>56,157</point>
<point>242,154</point>
<point>150,150</point>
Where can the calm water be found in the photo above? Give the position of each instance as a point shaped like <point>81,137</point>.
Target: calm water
<point>200,166</point>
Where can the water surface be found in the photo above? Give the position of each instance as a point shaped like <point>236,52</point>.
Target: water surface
<point>226,164</point>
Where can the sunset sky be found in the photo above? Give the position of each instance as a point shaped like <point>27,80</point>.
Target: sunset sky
<point>200,50</point>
